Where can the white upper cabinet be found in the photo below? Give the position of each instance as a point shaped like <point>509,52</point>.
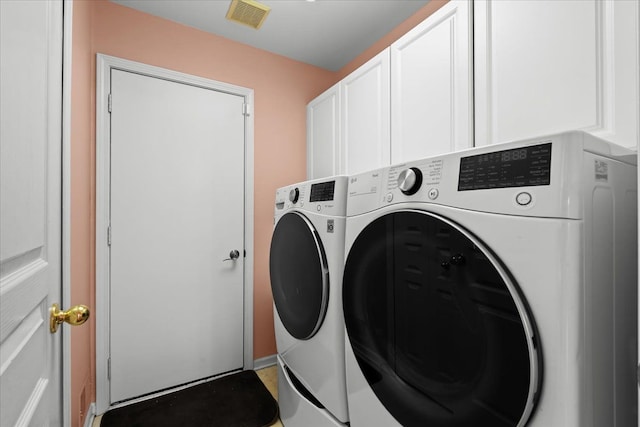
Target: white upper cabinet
<point>548,66</point>
<point>528,68</point>
<point>364,123</point>
<point>323,134</point>
<point>431,85</point>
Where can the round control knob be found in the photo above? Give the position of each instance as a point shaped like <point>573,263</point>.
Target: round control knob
<point>410,180</point>
<point>293,195</point>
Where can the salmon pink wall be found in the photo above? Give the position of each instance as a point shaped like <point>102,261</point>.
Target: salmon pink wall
<point>282,88</point>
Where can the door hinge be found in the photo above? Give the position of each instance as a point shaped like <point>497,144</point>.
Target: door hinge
<point>246,109</point>
<point>109,236</point>
<point>109,103</point>
<point>109,368</point>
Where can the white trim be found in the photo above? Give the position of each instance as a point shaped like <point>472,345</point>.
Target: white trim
<point>67,19</point>
<point>91,413</point>
<point>265,362</point>
<point>103,71</point>
<point>102,277</point>
<point>170,390</point>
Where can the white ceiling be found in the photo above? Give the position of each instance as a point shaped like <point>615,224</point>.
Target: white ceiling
<point>324,33</point>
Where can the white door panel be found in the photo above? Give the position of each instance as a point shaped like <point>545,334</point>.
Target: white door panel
<point>543,67</point>
<point>323,134</point>
<point>364,111</point>
<point>535,71</point>
<point>431,86</point>
<point>177,181</point>
<point>30,203</point>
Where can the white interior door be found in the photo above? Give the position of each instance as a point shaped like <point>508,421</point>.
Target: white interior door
<point>177,210</point>
<point>30,202</point>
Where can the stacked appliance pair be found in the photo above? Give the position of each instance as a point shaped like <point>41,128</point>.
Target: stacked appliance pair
<point>495,286</point>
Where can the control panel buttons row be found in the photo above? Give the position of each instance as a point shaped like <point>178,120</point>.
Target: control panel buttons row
<point>433,194</point>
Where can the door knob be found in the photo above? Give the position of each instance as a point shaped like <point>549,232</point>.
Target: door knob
<point>233,255</point>
<point>75,316</point>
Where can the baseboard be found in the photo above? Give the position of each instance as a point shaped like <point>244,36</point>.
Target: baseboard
<point>91,415</point>
<point>264,362</point>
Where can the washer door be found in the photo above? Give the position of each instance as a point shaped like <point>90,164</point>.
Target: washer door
<point>437,326</point>
<point>299,275</point>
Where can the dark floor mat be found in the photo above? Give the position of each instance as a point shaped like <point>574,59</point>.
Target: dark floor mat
<point>237,400</point>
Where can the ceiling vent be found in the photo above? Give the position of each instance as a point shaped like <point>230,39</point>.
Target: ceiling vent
<point>248,12</point>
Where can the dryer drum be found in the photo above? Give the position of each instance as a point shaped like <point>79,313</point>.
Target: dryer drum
<point>438,328</point>
<point>299,275</point>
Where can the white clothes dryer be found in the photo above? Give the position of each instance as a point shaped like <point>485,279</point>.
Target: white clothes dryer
<point>494,287</point>
<point>306,265</point>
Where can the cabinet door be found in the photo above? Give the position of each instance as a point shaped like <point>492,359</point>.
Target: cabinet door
<point>323,134</point>
<point>365,116</point>
<point>431,86</point>
<point>548,66</point>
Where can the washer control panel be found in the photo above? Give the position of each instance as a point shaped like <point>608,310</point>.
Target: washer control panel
<point>326,196</point>
<point>542,176</point>
<point>517,167</point>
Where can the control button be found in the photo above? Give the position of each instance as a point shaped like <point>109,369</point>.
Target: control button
<point>330,226</point>
<point>389,197</point>
<point>410,180</point>
<point>433,193</point>
<point>523,198</point>
<point>293,195</point>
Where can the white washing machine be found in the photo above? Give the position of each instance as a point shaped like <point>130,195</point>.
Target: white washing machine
<point>306,264</point>
<point>494,287</point>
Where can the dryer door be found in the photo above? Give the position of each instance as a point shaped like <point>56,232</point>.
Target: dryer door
<point>299,275</point>
<point>438,328</point>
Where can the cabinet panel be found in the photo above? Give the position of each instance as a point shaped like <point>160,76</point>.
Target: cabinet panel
<point>323,134</point>
<point>621,75</point>
<point>431,86</point>
<point>547,66</point>
<point>365,116</point>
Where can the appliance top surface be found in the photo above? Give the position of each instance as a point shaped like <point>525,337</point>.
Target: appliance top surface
<point>544,177</point>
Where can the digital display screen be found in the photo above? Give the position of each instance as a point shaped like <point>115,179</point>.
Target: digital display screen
<point>322,192</point>
<point>519,167</point>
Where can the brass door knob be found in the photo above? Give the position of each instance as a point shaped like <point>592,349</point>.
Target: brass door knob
<point>75,316</point>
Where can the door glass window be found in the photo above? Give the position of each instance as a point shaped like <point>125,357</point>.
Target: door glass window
<point>299,275</point>
<point>434,327</point>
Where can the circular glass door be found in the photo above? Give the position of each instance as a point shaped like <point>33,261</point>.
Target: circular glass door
<point>299,275</point>
<point>438,328</point>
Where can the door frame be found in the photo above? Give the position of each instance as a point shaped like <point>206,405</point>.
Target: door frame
<point>65,255</point>
<point>104,66</point>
